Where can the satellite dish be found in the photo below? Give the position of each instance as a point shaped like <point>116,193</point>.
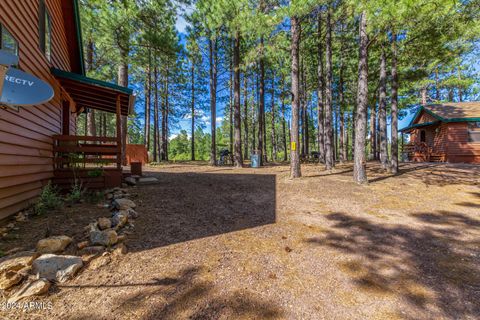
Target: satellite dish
<point>23,89</point>
<point>7,58</point>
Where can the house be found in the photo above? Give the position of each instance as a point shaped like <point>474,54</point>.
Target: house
<point>448,132</point>
<point>38,143</point>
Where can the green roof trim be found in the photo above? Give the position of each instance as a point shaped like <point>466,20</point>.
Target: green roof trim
<point>86,80</point>
<point>411,125</point>
<point>419,125</point>
<point>79,34</point>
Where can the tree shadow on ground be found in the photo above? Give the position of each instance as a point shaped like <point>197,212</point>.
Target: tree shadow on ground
<point>187,206</point>
<point>187,297</point>
<point>434,268</point>
<point>434,173</point>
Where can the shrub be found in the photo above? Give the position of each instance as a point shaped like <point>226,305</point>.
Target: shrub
<point>76,193</point>
<point>95,173</point>
<point>49,199</point>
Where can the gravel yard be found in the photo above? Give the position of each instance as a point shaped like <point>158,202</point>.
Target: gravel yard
<point>224,243</point>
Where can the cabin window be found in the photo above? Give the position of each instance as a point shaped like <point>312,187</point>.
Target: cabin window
<point>45,30</point>
<point>474,132</point>
<point>423,137</point>
<point>7,41</point>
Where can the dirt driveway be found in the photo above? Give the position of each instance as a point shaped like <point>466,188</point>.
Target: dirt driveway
<point>222,243</point>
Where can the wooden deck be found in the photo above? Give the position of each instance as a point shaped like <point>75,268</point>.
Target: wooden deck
<point>93,162</point>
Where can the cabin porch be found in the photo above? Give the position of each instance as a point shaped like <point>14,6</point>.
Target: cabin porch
<point>427,143</point>
<point>91,162</point>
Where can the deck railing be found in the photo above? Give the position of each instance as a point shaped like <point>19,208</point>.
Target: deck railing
<point>82,151</point>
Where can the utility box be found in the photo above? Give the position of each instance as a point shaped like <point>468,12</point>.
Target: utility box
<point>255,159</point>
<point>136,168</point>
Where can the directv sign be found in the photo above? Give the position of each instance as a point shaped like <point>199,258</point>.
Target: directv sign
<point>18,88</point>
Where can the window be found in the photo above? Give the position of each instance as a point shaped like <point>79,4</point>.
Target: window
<point>474,132</point>
<point>423,136</point>
<point>45,30</point>
<point>7,41</point>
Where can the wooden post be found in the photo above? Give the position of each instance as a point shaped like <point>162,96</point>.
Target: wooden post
<point>119,133</point>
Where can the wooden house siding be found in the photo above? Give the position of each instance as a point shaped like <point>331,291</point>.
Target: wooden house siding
<point>26,144</point>
<point>459,149</point>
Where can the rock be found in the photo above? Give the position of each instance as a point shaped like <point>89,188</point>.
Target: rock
<point>123,204</point>
<point>130,181</point>
<point>9,279</point>
<point>105,238</point>
<point>69,272</point>
<point>21,217</point>
<point>82,245</point>
<point>100,262</point>
<point>53,244</point>
<point>120,249</point>
<point>17,261</point>
<point>55,267</point>
<point>147,180</point>
<point>104,223</point>
<point>119,219</point>
<point>93,250</point>
<point>109,196</point>
<point>35,288</point>
<point>122,238</point>
<point>131,214</point>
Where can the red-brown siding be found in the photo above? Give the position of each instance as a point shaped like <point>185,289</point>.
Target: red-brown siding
<point>25,136</point>
<point>459,149</point>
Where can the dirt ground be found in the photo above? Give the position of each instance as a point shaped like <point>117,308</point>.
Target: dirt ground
<point>224,243</point>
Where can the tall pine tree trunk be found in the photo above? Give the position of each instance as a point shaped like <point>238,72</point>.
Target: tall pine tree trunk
<point>230,104</point>
<point>284,117</point>
<point>123,81</point>
<point>91,125</point>
<point>329,163</point>
<point>193,110</point>
<point>212,45</point>
<point>341,98</point>
<point>155,114</point>
<point>359,168</point>
<point>237,152</point>
<point>261,107</point>
<point>245,115</point>
<point>274,144</point>
<point>295,171</point>
<point>382,111</point>
<point>320,95</point>
<point>148,101</point>
<point>394,151</point>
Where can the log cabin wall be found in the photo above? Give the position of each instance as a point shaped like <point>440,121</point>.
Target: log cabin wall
<point>26,158</point>
<point>459,148</point>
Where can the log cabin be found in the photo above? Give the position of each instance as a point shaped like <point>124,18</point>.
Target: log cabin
<point>448,132</point>
<point>39,143</point>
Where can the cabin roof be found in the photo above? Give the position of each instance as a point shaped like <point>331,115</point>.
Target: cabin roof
<point>71,20</point>
<point>455,112</point>
<point>447,112</point>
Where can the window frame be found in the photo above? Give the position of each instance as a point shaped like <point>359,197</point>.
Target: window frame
<point>45,30</point>
<point>17,45</point>
<point>473,129</point>
<point>423,136</point>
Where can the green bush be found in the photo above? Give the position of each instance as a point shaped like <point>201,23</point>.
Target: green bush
<point>49,199</point>
<point>95,173</point>
<point>76,193</point>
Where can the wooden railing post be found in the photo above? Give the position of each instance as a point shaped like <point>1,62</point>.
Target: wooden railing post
<point>119,133</point>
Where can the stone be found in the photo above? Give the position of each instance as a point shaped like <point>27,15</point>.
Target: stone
<point>122,238</point>
<point>119,219</point>
<point>104,238</point>
<point>35,288</point>
<point>131,214</point>
<point>123,204</point>
<point>109,196</point>
<point>17,261</point>
<point>92,250</point>
<point>100,262</point>
<point>53,244</point>
<point>21,217</point>
<point>69,272</point>
<point>120,249</point>
<point>104,223</point>
<point>147,180</point>
<point>130,181</point>
<point>55,267</point>
<point>82,245</point>
<point>9,279</point>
